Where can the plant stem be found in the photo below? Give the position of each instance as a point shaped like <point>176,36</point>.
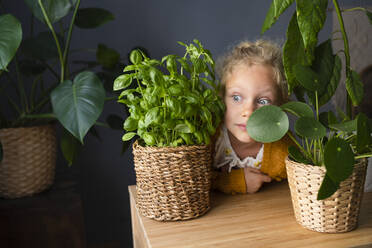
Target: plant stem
<point>347,53</point>
<point>47,20</point>
<point>67,47</point>
<point>299,146</point>
<point>353,9</point>
<point>368,155</point>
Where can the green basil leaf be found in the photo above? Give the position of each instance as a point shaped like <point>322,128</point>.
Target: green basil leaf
<point>327,188</point>
<point>277,7</point>
<point>182,128</point>
<point>135,57</point>
<point>354,87</point>
<point>299,109</point>
<point>268,124</point>
<point>338,159</point>
<point>78,104</point>
<point>92,17</point>
<point>10,39</point>
<point>311,16</point>
<point>176,90</point>
<point>128,136</point>
<point>309,127</point>
<point>153,115</point>
<point>122,82</point>
<point>149,138</point>
<point>130,124</point>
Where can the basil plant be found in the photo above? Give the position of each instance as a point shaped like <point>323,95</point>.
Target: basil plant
<point>173,101</point>
<point>313,74</point>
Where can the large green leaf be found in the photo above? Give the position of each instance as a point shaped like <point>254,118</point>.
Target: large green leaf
<point>268,124</point>
<point>92,17</point>
<point>310,128</point>
<point>311,16</point>
<point>327,189</point>
<point>307,77</point>
<point>42,46</point>
<point>295,154</point>
<point>55,9</point>
<point>70,146</point>
<point>328,67</point>
<point>10,38</point>
<point>293,52</point>
<point>277,7</point>
<point>106,56</point>
<point>338,159</point>
<point>363,133</point>
<point>299,109</point>
<point>354,87</point>
<point>78,104</point>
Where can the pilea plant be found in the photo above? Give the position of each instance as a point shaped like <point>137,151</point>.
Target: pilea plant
<point>313,74</point>
<point>174,100</point>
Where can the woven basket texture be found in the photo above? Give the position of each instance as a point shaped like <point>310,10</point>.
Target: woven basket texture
<point>336,214</point>
<point>29,158</point>
<point>173,183</point>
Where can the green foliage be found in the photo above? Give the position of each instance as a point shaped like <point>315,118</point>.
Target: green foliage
<point>313,74</point>
<point>174,100</point>
<point>75,98</point>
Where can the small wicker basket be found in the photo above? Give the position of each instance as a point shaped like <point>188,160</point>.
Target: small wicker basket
<point>173,183</point>
<point>28,164</point>
<point>336,214</point>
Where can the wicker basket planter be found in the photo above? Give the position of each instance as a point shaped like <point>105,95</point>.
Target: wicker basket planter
<point>28,165</point>
<point>173,183</point>
<point>336,214</point>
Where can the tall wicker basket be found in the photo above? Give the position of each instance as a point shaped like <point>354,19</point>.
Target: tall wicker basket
<point>28,164</point>
<point>336,214</point>
<point>173,183</point>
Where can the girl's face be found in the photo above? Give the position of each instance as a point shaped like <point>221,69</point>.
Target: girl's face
<point>248,88</point>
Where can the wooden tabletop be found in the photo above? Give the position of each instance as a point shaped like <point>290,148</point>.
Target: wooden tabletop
<point>263,219</point>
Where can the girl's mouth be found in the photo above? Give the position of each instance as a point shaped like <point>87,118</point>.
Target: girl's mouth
<point>242,126</point>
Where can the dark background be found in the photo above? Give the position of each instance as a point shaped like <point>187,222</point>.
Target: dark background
<point>102,173</point>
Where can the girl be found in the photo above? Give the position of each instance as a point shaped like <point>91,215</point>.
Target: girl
<point>252,77</point>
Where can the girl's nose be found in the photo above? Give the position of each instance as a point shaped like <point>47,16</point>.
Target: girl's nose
<point>248,110</point>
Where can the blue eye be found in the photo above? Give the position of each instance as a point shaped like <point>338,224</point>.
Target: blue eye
<point>236,98</point>
<point>264,101</point>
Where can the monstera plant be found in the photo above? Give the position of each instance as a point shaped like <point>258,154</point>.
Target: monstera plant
<point>46,84</point>
<point>313,73</point>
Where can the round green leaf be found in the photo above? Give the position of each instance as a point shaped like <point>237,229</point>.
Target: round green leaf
<point>130,124</point>
<point>92,17</point>
<point>327,189</point>
<point>55,9</point>
<point>309,127</point>
<point>299,109</point>
<point>338,159</point>
<point>268,124</point>
<point>78,104</point>
<point>10,38</point>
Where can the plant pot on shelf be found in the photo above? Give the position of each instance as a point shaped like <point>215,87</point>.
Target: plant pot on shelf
<point>29,159</point>
<point>336,214</point>
<point>173,183</point>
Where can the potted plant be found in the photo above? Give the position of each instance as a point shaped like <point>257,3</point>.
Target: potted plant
<point>326,170</point>
<point>75,99</point>
<point>174,110</point>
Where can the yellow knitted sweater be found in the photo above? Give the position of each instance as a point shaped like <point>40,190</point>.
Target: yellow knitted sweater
<point>273,164</point>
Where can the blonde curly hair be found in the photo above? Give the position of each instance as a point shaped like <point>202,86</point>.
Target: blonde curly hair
<point>260,52</point>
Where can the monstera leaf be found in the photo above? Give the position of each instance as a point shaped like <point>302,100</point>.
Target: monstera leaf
<point>78,104</point>
<point>10,38</point>
<point>55,9</point>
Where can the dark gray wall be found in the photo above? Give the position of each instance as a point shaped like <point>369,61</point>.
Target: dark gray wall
<point>103,174</point>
